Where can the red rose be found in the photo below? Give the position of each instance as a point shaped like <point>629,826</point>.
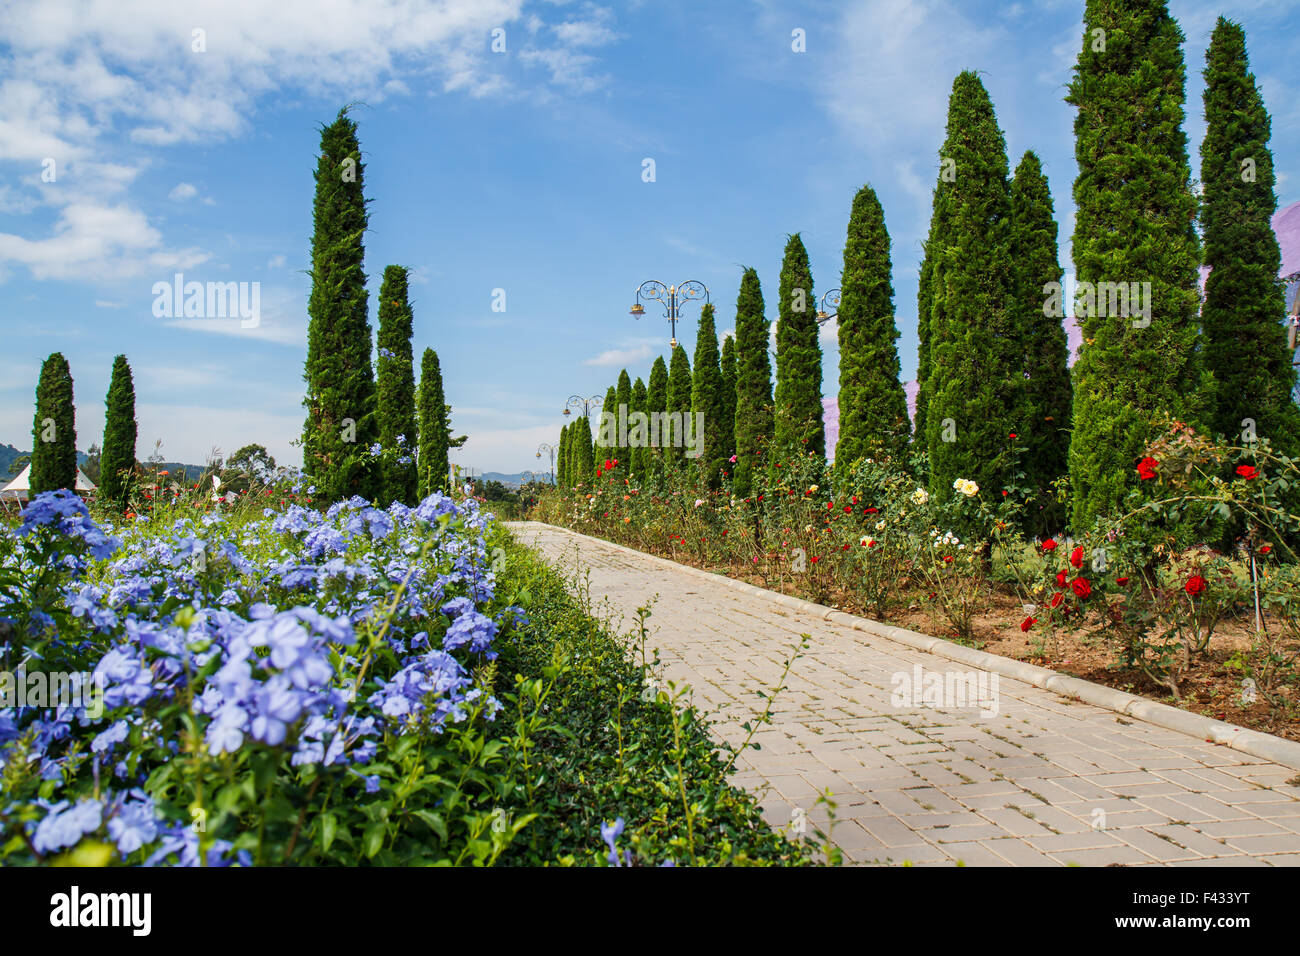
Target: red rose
<point>1057,598</point>
<point>1013,434</point>
<point>1060,578</point>
<point>868,511</point>
<point>1147,468</point>
<point>1266,549</point>
<point>815,559</point>
<point>854,499</point>
<point>1027,623</point>
<point>1049,544</point>
<point>1076,557</point>
<point>1247,471</point>
<point>1121,580</point>
<point>848,509</point>
<point>1195,585</point>
<point>1081,587</point>
<point>947,559</point>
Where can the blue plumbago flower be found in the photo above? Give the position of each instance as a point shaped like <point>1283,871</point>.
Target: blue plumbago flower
<point>610,832</point>
<point>376,448</point>
<point>251,621</point>
<point>386,353</point>
<point>133,821</point>
<point>65,825</point>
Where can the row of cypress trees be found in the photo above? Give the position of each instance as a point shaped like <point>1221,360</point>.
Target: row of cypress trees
<point>54,431</point>
<point>352,405</point>
<point>993,355</point>
<point>997,402</point>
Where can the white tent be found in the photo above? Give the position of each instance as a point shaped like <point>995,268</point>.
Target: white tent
<point>20,488</point>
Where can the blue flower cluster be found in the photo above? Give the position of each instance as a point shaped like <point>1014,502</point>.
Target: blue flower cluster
<point>315,636</point>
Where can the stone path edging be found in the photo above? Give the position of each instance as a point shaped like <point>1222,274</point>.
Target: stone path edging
<point>1265,746</point>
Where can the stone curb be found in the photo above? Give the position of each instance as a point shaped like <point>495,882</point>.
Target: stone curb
<point>1264,746</point>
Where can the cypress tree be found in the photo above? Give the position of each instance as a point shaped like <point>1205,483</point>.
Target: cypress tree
<point>623,399</point>
<point>1245,341</point>
<point>975,379</point>
<point>707,399</point>
<point>1136,212</point>
<point>584,456</point>
<point>728,404</point>
<point>679,403</point>
<point>117,459</point>
<point>753,384</point>
<point>340,400</point>
<point>657,404</point>
<point>638,457</point>
<point>873,405</point>
<point>603,452</point>
<point>560,460</point>
<point>435,428</point>
<point>926,304</point>
<point>54,431</point>
<point>798,426</point>
<point>395,387</point>
<point>1044,432</point>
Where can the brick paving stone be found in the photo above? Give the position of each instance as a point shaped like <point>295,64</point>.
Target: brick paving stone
<point>835,727</point>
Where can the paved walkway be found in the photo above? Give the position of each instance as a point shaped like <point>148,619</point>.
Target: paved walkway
<point>1044,781</point>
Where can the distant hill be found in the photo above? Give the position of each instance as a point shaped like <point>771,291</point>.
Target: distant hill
<point>9,454</point>
<point>511,481</point>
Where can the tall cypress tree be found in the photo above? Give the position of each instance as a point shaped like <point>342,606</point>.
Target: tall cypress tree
<point>637,457</point>
<point>54,431</point>
<point>395,385</point>
<point>679,403</point>
<point>560,460</point>
<point>1044,432</point>
<point>728,404</point>
<point>1135,224</point>
<point>657,404</point>
<point>1245,343</point>
<point>623,397</point>
<point>798,425</point>
<point>604,452</point>
<point>975,380</point>
<point>584,455</point>
<point>707,399</point>
<point>435,428</point>
<point>873,405</point>
<point>340,400</point>
<point>117,458</point>
<point>753,384</point>
<point>926,303</point>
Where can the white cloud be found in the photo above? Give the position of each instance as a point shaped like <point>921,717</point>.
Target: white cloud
<point>96,241</point>
<point>182,192</point>
<point>620,358</point>
<point>878,92</point>
<point>276,262</point>
<point>104,304</point>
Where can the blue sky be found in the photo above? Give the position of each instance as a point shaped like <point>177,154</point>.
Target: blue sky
<point>519,171</point>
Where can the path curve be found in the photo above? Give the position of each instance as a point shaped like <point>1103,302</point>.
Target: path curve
<point>1023,778</point>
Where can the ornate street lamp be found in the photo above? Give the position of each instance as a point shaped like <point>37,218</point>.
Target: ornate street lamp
<point>550,450</point>
<point>587,404</point>
<point>830,301</point>
<point>671,296</point>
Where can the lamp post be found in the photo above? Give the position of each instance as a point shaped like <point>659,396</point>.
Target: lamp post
<point>671,296</point>
<point>587,404</point>
<point>549,449</point>
<point>831,300</point>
